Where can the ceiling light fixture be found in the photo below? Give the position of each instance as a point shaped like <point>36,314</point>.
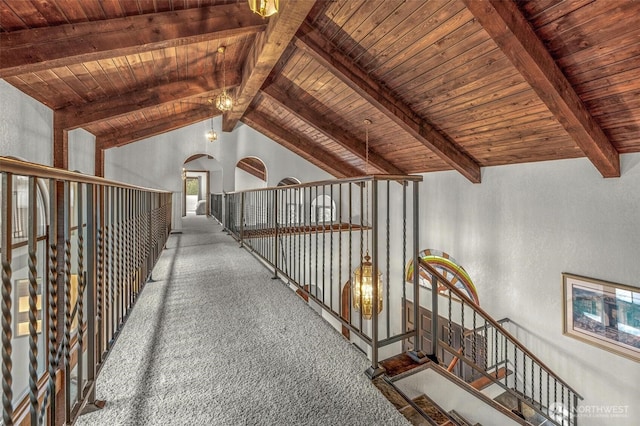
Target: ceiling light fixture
<point>264,8</point>
<point>223,100</point>
<point>211,134</point>
<point>363,277</point>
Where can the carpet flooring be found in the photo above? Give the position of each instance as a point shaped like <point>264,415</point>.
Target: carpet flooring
<point>214,341</point>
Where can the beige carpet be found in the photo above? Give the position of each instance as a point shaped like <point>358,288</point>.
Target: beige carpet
<point>215,341</point>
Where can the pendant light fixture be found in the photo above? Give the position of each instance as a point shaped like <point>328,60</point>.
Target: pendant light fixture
<point>211,134</point>
<point>363,277</point>
<point>223,100</point>
<point>264,8</point>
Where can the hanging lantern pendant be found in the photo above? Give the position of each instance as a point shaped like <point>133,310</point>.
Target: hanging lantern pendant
<point>363,282</point>
<point>223,100</point>
<point>264,8</point>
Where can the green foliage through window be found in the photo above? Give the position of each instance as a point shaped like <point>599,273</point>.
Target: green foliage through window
<point>192,186</point>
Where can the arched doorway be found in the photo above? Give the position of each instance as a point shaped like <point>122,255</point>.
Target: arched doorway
<point>196,186</point>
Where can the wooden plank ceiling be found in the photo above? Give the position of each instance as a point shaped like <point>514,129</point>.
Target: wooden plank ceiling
<point>448,84</point>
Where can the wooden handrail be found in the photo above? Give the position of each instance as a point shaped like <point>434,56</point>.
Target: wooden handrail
<point>25,168</point>
<point>408,178</point>
<point>493,323</point>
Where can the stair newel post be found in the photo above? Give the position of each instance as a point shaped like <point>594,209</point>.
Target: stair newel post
<point>242,218</point>
<point>276,253</point>
<point>375,369</point>
<point>417,354</point>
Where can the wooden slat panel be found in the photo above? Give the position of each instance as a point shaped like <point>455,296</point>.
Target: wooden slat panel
<point>321,158</point>
<point>506,25</point>
<point>9,20</point>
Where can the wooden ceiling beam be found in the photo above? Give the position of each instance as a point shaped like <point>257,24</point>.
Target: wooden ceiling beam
<point>149,129</point>
<point>84,115</point>
<point>264,54</point>
<point>511,31</point>
<point>340,136</point>
<point>322,50</point>
<point>38,49</point>
<point>302,147</point>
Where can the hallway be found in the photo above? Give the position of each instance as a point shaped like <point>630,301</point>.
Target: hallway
<point>214,341</point>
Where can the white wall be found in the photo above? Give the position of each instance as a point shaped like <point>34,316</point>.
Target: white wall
<point>157,162</point>
<point>519,230</point>
<point>82,146</point>
<point>26,127</point>
<point>246,181</point>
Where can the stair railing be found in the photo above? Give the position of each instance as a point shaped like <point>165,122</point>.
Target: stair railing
<point>491,351</point>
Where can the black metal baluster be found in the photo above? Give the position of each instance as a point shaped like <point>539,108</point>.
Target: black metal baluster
<point>53,301</point>
<point>32,236</point>
<point>331,254</point>
<point>463,341</point>
<point>6,211</point>
<point>474,336</point>
<point>67,299</point>
<point>404,258</point>
<point>81,283</point>
<point>340,220</point>
<point>351,283</point>
<point>324,243</point>
<point>388,259</point>
<point>316,281</point>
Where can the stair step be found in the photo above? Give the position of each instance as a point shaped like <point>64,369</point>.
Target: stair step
<point>398,364</point>
<point>390,393</point>
<point>483,381</point>
<point>431,410</point>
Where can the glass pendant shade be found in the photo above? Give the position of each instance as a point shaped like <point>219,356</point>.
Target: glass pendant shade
<point>224,101</point>
<point>212,135</point>
<point>264,8</point>
<point>362,291</point>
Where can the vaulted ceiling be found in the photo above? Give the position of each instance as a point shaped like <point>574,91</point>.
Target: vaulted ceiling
<point>447,84</point>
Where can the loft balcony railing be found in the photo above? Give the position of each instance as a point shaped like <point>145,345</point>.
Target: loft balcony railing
<point>315,236</point>
<point>76,251</point>
<point>217,203</point>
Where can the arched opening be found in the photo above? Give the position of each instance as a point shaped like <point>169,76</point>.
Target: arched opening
<point>251,173</point>
<point>323,209</point>
<point>449,268</point>
<point>292,200</point>
<point>289,181</point>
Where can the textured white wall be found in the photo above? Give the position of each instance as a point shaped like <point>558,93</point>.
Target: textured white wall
<point>519,230</point>
<point>246,180</point>
<point>82,151</point>
<point>26,127</point>
<point>157,162</point>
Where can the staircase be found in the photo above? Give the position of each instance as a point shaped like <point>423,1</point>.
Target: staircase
<point>481,361</point>
<point>420,410</point>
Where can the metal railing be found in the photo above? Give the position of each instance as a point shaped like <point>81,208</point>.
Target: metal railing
<point>217,203</point>
<point>68,286</point>
<point>317,235</point>
<point>467,333</point>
